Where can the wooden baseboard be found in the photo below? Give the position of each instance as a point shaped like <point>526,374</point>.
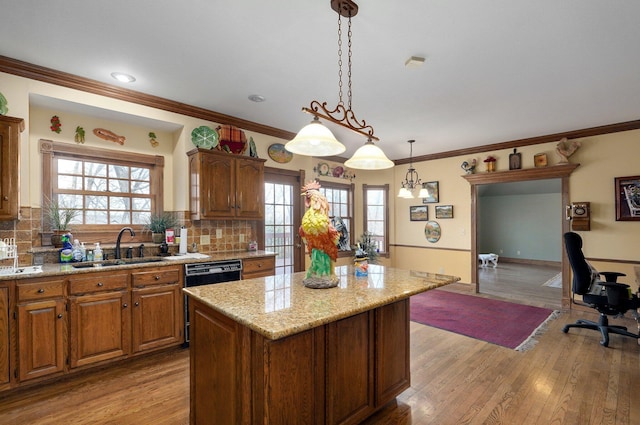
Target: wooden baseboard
<point>530,261</point>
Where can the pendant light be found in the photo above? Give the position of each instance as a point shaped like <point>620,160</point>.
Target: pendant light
<point>317,140</point>
<point>411,180</point>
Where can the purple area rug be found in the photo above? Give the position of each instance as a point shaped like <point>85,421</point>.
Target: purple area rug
<point>503,323</point>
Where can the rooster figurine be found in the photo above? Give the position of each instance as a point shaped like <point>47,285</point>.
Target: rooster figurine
<point>320,237</point>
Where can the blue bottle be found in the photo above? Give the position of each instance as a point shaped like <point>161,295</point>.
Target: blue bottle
<point>66,252</point>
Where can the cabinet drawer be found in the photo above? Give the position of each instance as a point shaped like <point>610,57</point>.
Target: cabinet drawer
<point>259,265</point>
<point>103,282</point>
<point>40,289</point>
<point>156,277</point>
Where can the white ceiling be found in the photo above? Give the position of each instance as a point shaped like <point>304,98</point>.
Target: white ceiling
<point>495,70</point>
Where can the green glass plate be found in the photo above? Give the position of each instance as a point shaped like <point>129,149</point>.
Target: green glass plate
<point>204,137</point>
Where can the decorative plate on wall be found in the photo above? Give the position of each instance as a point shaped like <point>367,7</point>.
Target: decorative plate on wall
<point>279,154</point>
<point>432,231</point>
<point>204,137</point>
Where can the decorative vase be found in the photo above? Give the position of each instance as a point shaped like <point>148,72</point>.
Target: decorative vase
<point>56,238</point>
<point>157,237</point>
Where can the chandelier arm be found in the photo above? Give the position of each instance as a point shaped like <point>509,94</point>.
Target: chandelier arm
<point>341,116</point>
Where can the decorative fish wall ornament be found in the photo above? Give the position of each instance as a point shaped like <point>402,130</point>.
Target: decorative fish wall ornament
<point>109,135</point>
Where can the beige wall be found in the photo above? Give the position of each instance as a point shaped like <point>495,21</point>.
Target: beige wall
<point>602,158</point>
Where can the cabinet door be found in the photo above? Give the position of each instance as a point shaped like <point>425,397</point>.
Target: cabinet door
<point>217,187</point>
<point>392,351</point>
<point>350,384</point>
<point>10,129</point>
<point>250,189</point>
<point>158,317</point>
<point>100,326</point>
<point>41,327</point>
<point>4,336</point>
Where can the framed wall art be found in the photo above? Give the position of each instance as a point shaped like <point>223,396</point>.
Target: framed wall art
<point>444,211</point>
<point>432,231</point>
<point>418,213</point>
<point>627,190</point>
<point>432,189</point>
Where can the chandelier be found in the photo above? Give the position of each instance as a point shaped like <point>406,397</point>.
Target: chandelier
<point>317,140</point>
<point>412,180</point>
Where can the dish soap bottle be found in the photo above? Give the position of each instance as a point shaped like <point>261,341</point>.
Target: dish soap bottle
<point>97,253</point>
<point>76,254</point>
<point>67,250</point>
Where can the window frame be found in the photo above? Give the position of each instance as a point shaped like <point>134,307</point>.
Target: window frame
<point>51,151</point>
<point>365,207</point>
<point>350,188</point>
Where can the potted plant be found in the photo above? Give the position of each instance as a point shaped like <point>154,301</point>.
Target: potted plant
<point>158,224</point>
<point>59,218</point>
<point>367,245</point>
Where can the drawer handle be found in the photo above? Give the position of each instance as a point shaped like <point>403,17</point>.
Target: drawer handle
<point>100,284</point>
<point>60,316</point>
<point>40,291</point>
<point>156,277</point>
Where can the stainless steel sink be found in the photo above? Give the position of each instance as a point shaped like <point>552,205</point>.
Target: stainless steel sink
<point>121,262</point>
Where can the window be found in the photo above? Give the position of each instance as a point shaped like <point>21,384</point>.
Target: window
<point>340,198</point>
<point>376,214</point>
<point>110,188</point>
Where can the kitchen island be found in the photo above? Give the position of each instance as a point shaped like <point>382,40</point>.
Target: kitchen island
<point>268,350</point>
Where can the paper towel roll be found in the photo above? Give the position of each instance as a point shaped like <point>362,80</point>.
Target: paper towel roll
<point>183,240</point>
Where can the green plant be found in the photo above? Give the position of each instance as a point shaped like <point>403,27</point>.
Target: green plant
<point>59,216</point>
<point>367,244</point>
<point>158,223</point>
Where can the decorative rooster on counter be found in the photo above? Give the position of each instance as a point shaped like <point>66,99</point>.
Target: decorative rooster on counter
<point>320,237</point>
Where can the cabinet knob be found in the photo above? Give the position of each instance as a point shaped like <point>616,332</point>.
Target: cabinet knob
<point>5,197</point>
<point>125,305</point>
<point>136,304</point>
<point>100,284</point>
<point>40,291</point>
<point>156,277</point>
<point>60,316</point>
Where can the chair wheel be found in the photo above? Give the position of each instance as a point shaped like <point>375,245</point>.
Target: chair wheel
<point>604,343</point>
<point>565,329</point>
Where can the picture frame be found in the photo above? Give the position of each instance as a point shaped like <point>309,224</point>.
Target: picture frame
<point>444,211</point>
<point>432,231</point>
<point>627,193</point>
<point>434,193</point>
<point>418,213</point>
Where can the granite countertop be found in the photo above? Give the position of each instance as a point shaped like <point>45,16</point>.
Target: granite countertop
<point>57,269</point>
<point>279,306</point>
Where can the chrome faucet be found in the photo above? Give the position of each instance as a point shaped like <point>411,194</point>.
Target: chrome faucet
<point>117,255</point>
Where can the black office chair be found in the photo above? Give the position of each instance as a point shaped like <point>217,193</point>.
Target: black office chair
<point>610,298</point>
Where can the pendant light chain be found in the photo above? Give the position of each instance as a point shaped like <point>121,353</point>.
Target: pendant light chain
<point>340,61</point>
<point>349,63</point>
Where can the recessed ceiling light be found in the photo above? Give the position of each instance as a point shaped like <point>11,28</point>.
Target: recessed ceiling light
<point>257,98</point>
<point>414,62</point>
<point>123,78</point>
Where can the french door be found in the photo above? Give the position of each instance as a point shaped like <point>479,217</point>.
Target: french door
<point>282,216</point>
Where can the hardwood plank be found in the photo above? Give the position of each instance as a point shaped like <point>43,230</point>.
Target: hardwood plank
<point>566,378</point>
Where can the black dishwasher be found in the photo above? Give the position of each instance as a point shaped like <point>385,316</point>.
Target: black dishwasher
<point>211,272</point>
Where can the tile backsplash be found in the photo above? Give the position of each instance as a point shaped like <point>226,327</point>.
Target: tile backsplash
<point>233,236</point>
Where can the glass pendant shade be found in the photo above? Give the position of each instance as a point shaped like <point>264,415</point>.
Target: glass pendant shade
<point>315,140</point>
<point>424,193</point>
<point>369,157</point>
<point>405,193</point>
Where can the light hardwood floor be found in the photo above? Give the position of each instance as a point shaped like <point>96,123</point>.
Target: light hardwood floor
<point>567,379</point>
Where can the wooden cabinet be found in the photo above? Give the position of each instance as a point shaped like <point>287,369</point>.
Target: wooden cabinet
<point>157,309</point>
<point>100,318</point>
<point>5,338</point>
<point>258,267</point>
<point>10,129</point>
<point>338,373</point>
<point>225,186</point>
<point>41,327</point>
